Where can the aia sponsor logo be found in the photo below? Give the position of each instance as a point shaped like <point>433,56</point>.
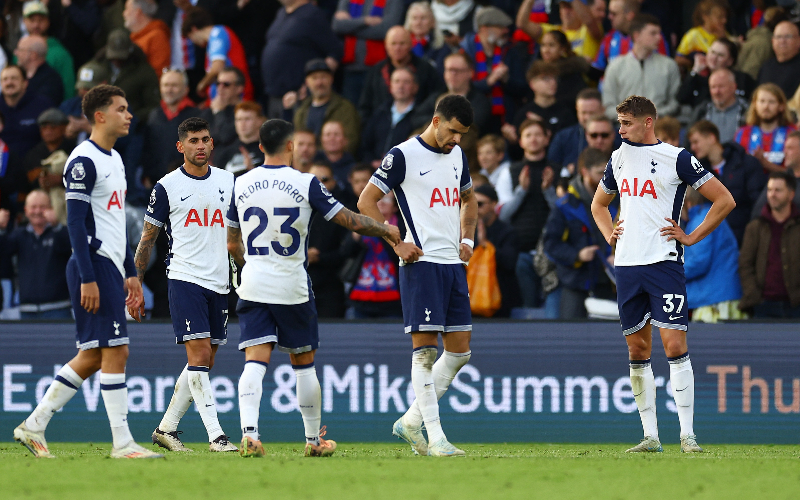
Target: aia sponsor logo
<point>194,218</point>
<point>632,189</point>
<point>445,197</point>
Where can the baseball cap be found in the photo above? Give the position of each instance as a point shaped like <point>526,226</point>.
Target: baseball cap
<point>492,16</point>
<point>53,116</point>
<point>119,45</point>
<point>91,75</point>
<point>317,65</point>
<point>33,8</point>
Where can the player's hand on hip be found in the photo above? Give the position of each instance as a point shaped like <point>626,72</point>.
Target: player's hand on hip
<point>409,252</point>
<point>465,253</point>
<point>90,297</point>
<point>674,232</point>
<point>135,298</point>
<point>616,233</point>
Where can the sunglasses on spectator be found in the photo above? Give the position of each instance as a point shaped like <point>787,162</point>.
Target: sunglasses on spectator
<point>604,135</point>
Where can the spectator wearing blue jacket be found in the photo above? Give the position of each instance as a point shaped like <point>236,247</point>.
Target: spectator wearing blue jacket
<point>711,266</point>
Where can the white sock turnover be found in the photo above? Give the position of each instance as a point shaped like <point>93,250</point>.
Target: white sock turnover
<point>115,398</point>
<point>250,389</point>
<point>422,380</point>
<point>681,376</point>
<point>644,391</point>
<point>62,389</point>
<point>444,370</point>
<point>309,399</point>
<point>203,396</point>
<point>180,402</point>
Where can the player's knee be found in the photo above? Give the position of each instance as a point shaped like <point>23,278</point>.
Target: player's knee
<point>303,358</point>
<point>638,349</point>
<point>674,348</point>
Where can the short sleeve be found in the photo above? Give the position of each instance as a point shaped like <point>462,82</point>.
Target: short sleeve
<point>158,209</point>
<point>218,44</point>
<point>79,178</point>
<point>392,171</point>
<point>691,171</point>
<point>233,214</point>
<point>322,200</point>
<point>466,180</point>
<point>609,183</point>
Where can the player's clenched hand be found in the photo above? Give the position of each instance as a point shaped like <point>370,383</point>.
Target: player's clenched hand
<point>465,253</point>
<point>394,234</point>
<point>90,297</point>
<point>409,252</point>
<point>674,232</point>
<point>135,298</point>
<point>616,233</point>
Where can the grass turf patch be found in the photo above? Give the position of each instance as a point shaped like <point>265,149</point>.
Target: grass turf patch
<point>389,471</point>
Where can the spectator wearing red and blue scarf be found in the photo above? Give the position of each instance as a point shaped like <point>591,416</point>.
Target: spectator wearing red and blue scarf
<point>496,73</point>
<point>426,40</point>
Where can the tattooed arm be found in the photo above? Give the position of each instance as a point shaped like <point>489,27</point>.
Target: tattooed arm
<point>145,248</point>
<point>469,220</point>
<point>368,205</point>
<point>366,225</point>
<point>236,245</point>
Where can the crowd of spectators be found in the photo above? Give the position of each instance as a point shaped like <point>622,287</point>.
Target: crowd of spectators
<point>357,77</point>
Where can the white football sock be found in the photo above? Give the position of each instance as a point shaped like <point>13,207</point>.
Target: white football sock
<point>422,380</point>
<point>180,402</point>
<point>444,371</point>
<point>309,399</point>
<point>203,396</point>
<point>250,389</point>
<point>115,398</point>
<point>62,389</point>
<point>681,376</point>
<point>644,391</point>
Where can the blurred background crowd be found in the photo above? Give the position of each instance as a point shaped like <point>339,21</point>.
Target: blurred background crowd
<point>358,77</point>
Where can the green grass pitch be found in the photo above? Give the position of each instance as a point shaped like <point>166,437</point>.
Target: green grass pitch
<point>367,471</point>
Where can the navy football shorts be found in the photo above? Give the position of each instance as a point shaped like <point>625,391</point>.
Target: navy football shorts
<point>435,298</point>
<point>107,327</point>
<point>293,327</point>
<point>197,313</point>
<point>654,291</point>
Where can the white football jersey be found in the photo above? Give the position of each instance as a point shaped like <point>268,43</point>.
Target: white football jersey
<point>97,176</point>
<point>427,184</point>
<point>651,180</point>
<point>192,209</point>
<point>273,206</point>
